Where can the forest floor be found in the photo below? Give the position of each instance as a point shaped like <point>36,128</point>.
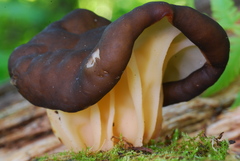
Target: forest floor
<point>25,131</point>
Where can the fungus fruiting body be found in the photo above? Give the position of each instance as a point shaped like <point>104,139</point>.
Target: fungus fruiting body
<point>100,79</point>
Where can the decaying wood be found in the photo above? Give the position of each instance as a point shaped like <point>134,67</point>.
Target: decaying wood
<point>200,112</point>
<point>25,131</point>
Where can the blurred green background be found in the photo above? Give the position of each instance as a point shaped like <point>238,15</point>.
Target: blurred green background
<point>20,20</point>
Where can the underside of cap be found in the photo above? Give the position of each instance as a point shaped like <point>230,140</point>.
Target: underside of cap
<point>133,108</point>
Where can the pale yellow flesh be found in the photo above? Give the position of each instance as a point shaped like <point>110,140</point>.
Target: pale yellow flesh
<point>133,108</point>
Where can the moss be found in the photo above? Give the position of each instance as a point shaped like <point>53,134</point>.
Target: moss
<point>179,146</point>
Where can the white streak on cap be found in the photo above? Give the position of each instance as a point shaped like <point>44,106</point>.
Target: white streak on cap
<point>92,60</point>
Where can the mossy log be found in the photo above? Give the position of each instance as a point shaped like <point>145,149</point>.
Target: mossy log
<point>25,131</point>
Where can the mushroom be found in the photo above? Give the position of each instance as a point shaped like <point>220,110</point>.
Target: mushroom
<point>100,79</point>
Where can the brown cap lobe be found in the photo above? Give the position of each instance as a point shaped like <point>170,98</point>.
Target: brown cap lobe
<point>74,62</point>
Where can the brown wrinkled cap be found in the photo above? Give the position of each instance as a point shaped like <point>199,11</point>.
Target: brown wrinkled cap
<point>74,62</point>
